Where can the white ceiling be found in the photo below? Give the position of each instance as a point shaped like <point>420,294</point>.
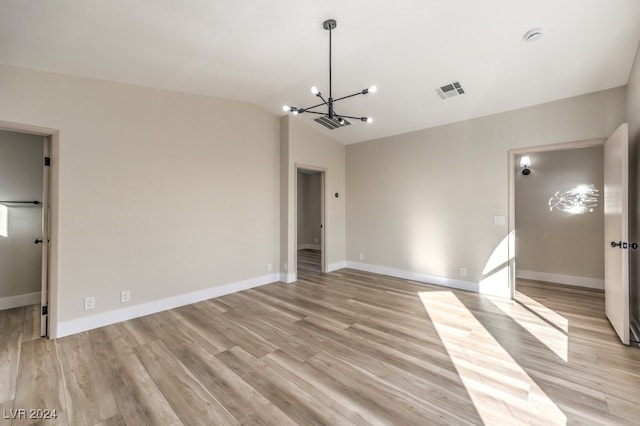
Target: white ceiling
<point>271,52</point>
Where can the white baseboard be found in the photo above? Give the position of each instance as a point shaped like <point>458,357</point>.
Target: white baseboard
<point>337,265</point>
<point>308,246</point>
<point>561,279</point>
<point>20,300</point>
<point>78,325</point>
<point>288,277</point>
<point>415,276</point>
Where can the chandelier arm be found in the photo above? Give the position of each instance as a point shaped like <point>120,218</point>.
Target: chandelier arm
<point>316,106</point>
<point>322,97</point>
<point>314,112</point>
<point>349,96</point>
<point>349,116</point>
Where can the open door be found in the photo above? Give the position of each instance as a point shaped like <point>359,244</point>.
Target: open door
<point>616,234</point>
<point>44,292</point>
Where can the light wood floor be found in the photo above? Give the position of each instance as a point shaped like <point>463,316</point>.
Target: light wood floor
<point>342,348</point>
<point>309,262</point>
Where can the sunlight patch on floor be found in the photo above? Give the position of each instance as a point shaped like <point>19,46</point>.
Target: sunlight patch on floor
<point>549,315</point>
<point>532,316</point>
<point>501,391</point>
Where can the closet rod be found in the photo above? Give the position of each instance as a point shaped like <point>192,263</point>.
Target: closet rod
<point>20,202</point>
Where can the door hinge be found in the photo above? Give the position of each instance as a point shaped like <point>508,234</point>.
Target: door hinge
<point>45,310</point>
<point>47,161</point>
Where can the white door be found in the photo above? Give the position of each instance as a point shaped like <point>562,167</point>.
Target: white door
<point>616,258</point>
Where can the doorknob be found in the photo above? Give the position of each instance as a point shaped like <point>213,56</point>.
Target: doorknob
<point>37,241</point>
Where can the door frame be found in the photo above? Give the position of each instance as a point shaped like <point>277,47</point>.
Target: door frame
<point>323,218</point>
<point>50,279</point>
<point>513,169</point>
<point>46,240</point>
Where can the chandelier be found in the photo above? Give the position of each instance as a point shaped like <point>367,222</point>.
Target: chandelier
<point>330,118</point>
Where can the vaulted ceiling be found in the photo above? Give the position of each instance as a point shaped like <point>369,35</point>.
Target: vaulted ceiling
<point>271,52</point>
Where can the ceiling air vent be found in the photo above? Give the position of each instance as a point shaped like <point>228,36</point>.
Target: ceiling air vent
<point>331,123</point>
<point>450,90</point>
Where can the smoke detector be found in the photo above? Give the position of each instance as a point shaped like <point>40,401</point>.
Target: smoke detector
<point>533,34</point>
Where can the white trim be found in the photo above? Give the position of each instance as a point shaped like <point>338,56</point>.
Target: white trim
<point>19,300</point>
<point>288,278</point>
<point>594,283</point>
<point>337,265</point>
<point>78,325</point>
<point>415,276</point>
<point>308,246</point>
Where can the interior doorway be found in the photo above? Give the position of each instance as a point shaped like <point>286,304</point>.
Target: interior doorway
<point>24,227</point>
<point>310,224</point>
<point>555,211</point>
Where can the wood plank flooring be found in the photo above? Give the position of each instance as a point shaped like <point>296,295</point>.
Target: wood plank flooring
<point>309,261</point>
<point>343,348</point>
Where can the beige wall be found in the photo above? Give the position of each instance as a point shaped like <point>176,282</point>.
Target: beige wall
<point>557,242</point>
<point>21,163</point>
<point>425,202</point>
<point>633,118</point>
<point>306,147</point>
<point>153,195</point>
<point>161,193</point>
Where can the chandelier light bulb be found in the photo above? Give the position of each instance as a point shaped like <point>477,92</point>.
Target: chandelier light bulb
<point>373,89</point>
<point>295,112</point>
<point>286,108</point>
<point>315,90</point>
<point>369,120</point>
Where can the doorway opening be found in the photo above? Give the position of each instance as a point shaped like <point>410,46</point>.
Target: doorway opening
<point>310,220</point>
<point>24,229</point>
<point>555,205</point>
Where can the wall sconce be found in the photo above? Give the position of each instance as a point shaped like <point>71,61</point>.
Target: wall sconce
<point>525,163</point>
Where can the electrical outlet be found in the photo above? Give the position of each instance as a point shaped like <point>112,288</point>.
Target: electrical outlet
<point>89,303</point>
<point>463,272</point>
<point>125,296</point>
<point>361,257</point>
<point>269,267</point>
